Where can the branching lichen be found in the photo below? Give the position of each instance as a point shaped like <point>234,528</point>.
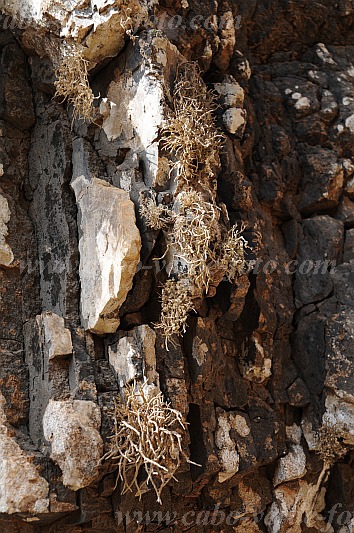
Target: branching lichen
<point>73,86</point>
<point>190,133</point>
<point>176,304</point>
<point>147,434</point>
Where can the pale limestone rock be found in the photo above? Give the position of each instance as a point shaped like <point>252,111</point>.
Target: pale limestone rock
<point>136,106</point>
<point>46,339</point>
<point>22,489</point>
<point>227,450</point>
<point>99,26</point>
<point>109,245</point>
<point>295,504</point>
<point>72,428</point>
<point>57,338</point>
<point>293,465</point>
<point>231,92</point>
<point>133,356</point>
<point>340,414</point>
<point>6,255</point>
<point>234,120</point>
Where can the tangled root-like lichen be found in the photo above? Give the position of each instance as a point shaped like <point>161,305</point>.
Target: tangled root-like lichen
<point>190,133</point>
<point>147,433</point>
<point>176,304</point>
<point>231,257</point>
<point>194,234</point>
<point>72,85</point>
<point>155,216</point>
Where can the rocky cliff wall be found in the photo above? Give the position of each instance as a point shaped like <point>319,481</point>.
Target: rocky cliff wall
<point>264,371</point>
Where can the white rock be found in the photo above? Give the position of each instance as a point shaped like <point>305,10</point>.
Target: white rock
<point>340,414</point>
<point>109,245</point>
<point>232,92</point>
<point>303,103</point>
<point>234,120</point>
<point>137,107</point>
<point>293,465</point>
<point>349,123</point>
<point>57,338</point>
<point>72,428</point>
<point>6,255</point>
<point>133,357</point>
<point>228,454</point>
<point>101,29</point>
<point>22,489</point>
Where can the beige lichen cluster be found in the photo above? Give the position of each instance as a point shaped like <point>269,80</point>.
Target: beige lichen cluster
<point>192,225</point>
<point>176,304</point>
<point>329,445</point>
<point>72,84</point>
<point>147,434</point>
<point>190,133</point>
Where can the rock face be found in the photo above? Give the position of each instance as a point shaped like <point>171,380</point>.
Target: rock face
<point>264,373</point>
<point>22,489</point>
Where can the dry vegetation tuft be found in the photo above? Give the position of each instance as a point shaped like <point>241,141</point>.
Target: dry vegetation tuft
<point>192,226</point>
<point>176,302</point>
<point>195,232</point>
<point>155,216</point>
<point>231,258</point>
<point>73,86</point>
<point>329,446</point>
<point>146,434</point>
<point>190,134</point>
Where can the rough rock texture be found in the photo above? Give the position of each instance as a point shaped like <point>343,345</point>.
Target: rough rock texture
<point>109,246</point>
<point>265,362</point>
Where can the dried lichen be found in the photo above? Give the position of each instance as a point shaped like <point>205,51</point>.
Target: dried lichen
<point>72,85</point>
<point>190,133</point>
<point>192,228</point>
<point>194,232</point>
<point>155,216</point>
<point>147,433</point>
<point>231,258</point>
<point>329,446</point>
<point>176,304</point>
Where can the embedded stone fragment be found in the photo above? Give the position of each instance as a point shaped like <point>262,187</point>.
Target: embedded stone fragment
<point>6,255</point>
<point>101,27</point>
<point>57,338</point>
<point>133,356</point>
<point>109,245</point>
<point>293,465</point>
<point>235,121</point>
<point>228,454</point>
<point>22,489</point>
<point>46,341</point>
<point>72,428</point>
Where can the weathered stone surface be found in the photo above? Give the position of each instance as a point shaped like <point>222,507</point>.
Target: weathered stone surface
<point>57,338</point>
<point>6,254</point>
<point>133,356</point>
<point>22,489</point>
<point>71,427</point>
<point>228,454</point>
<point>293,465</point>
<point>319,251</point>
<point>109,245</point>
